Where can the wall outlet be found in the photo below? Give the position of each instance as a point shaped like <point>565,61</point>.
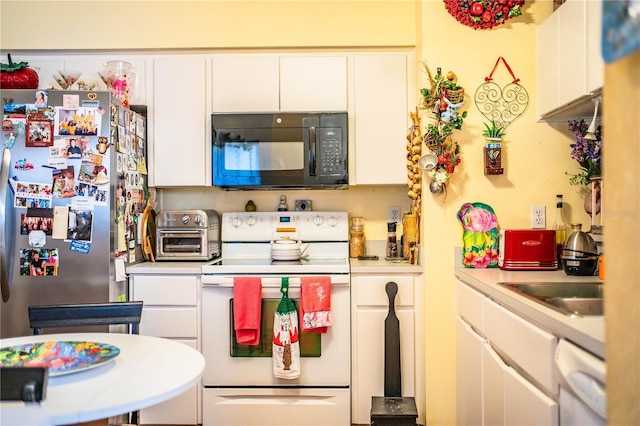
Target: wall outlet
<point>538,217</point>
<point>394,214</point>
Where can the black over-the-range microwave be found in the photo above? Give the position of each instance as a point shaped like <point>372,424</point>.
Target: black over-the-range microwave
<point>280,150</point>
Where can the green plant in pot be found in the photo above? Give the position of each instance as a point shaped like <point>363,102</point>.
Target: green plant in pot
<point>493,131</point>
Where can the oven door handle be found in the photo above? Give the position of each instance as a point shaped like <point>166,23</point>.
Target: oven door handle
<point>178,234</point>
<point>270,282</point>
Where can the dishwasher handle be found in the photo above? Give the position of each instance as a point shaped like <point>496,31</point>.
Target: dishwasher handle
<point>584,374</point>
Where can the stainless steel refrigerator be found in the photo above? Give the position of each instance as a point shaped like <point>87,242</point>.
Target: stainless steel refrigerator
<point>72,193</point>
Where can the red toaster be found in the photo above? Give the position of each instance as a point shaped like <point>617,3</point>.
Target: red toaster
<point>528,249</point>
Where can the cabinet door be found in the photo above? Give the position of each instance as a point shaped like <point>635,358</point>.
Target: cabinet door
<point>245,84</point>
<point>371,306</point>
<point>572,51</point>
<point>547,59</point>
<point>525,404</point>
<point>493,371</point>
<point>526,345</point>
<point>179,121</point>
<point>368,359</point>
<point>381,118</point>
<point>468,375</point>
<point>313,83</point>
<point>595,63</point>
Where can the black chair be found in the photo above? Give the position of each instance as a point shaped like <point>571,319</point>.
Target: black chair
<point>87,314</point>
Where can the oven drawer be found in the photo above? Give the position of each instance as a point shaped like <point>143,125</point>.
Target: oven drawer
<point>168,290</point>
<point>275,407</point>
<point>172,322</point>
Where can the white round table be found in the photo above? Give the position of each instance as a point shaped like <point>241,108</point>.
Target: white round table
<point>148,370</point>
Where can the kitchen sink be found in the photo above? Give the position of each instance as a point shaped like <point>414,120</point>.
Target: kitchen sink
<point>581,299</point>
<point>579,305</point>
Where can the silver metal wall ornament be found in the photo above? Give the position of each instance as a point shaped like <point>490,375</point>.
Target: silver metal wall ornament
<point>502,105</point>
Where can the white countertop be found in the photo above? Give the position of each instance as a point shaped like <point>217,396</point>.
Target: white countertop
<point>380,266</point>
<point>587,331</point>
<point>148,370</point>
<point>173,267</point>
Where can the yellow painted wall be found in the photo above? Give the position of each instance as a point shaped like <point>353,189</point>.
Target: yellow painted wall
<point>205,24</point>
<point>535,156</point>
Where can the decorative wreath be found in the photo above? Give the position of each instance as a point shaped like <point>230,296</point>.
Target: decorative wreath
<point>483,14</point>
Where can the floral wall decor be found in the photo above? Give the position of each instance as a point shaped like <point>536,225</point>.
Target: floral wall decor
<point>479,235</point>
<point>483,14</point>
<point>587,151</point>
<point>443,99</point>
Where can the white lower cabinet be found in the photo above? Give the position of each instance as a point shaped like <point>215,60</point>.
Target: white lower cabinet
<point>499,357</point>
<point>171,311</point>
<point>370,306</point>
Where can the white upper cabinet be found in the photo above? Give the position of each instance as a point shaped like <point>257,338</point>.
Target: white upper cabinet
<point>595,61</point>
<point>569,60</point>
<point>179,153</point>
<point>271,83</point>
<point>313,83</point>
<point>572,51</point>
<point>245,83</point>
<point>381,87</point>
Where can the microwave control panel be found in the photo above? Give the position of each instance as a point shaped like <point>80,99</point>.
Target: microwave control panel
<point>331,152</point>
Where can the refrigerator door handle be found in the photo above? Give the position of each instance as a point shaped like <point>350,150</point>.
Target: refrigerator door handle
<point>4,220</point>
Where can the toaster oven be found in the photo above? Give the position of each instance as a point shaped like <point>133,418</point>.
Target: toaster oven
<point>187,235</point>
<point>528,249</point>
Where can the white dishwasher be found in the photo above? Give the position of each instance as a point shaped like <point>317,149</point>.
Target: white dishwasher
<point>583,398</point>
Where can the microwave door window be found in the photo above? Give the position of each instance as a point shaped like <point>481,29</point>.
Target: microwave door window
<point>258,156</point>
<point>264,156</point>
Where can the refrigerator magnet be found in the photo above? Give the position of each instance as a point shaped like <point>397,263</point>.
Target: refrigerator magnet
<point>11,140</point>
<point>37,239</point>
<point>42,98</point>
<point>39,131</point>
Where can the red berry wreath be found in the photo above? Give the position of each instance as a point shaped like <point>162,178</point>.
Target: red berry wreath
<point>483,14</point>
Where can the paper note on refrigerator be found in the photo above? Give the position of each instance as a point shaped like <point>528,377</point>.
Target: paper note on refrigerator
<point>60,218</point>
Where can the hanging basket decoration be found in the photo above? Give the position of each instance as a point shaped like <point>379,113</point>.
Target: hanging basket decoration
<point>444,99</point>
<point>502,105</point>
<point>483,14</point>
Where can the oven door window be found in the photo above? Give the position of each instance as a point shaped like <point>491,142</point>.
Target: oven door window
<point>310,343</point>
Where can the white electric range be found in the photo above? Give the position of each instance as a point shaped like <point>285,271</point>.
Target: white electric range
<point>239,385</point>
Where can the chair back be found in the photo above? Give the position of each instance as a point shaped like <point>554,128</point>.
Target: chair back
<point>85,314</point>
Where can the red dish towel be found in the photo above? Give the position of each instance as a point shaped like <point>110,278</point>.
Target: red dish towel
<point>247,304</point>
<point>315,303</point>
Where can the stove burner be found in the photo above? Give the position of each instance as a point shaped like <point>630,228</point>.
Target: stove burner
<point>286,262</point>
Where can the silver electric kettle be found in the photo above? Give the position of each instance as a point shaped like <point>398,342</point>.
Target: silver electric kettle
<point>579,252</point>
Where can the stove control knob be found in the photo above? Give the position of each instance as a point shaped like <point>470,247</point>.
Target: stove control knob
<point>185,219</point>
<point>251,220</point>
<point>197,220</point>
<point>236,221</point>
<point>317,220</point>
<point>333,221</point>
